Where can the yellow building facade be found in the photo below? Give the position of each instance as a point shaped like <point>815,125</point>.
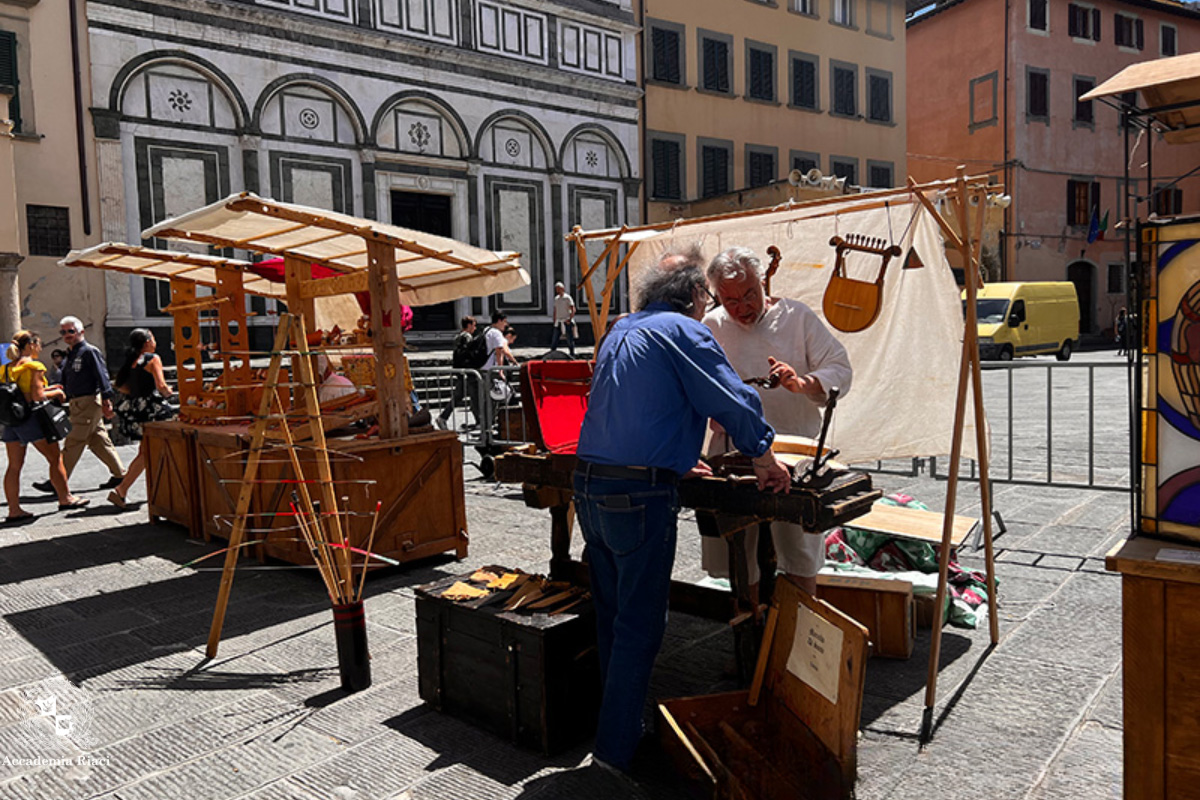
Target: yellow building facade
<point>740,92</point>
<point>48,198</point>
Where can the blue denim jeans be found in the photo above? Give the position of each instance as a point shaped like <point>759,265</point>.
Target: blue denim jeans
<point>630,529</point>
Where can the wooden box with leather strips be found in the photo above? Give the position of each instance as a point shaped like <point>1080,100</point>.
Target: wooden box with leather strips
<point>794,733</point>
<point>531,678</point>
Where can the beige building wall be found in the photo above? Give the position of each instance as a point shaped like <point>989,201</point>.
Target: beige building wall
<point>873,43</point>
<point>46,164</point>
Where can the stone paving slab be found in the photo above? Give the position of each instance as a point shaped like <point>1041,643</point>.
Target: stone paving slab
<point>99,596</point>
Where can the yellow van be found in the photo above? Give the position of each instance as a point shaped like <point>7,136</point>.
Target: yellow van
<point>1027,319</point>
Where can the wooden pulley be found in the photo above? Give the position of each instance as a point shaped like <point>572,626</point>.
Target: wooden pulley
<point>851,305</point>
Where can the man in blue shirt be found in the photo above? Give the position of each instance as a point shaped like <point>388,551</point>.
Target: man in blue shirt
<point>659,377</point>
<point>89,396</point>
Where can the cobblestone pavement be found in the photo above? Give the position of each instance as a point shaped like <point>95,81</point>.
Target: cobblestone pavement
<point>97,598</point>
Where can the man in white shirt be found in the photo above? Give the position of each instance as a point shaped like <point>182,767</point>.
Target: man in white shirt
<point>765,336</point>
<point>497,345</point>
<point>564,319</point>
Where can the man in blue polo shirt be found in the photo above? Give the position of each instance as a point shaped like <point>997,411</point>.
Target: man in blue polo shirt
<point>89,396</point>
<point>660,375</point>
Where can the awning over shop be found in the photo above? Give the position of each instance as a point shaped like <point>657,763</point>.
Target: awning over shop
<point>430,269</point>
<point>1170,88</point>
<point>336,310</point>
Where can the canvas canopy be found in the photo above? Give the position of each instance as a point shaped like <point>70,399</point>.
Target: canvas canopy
<point>1170,88</point>
<point>338,310</point>
<point>430,269</point>
<point>906,365</point>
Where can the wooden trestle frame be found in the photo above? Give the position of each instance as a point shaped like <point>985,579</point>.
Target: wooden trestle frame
<point>968,241</point>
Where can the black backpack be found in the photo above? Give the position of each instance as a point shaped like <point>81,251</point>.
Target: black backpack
<point>471,353</point>
<point>14,408</point>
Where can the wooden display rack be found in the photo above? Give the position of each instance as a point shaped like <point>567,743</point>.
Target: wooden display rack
<point>417,474</point>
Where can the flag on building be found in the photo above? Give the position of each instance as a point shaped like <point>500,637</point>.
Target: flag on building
<point>1096,227</point>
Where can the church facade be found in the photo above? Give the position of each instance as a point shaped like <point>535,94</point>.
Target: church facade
<point>499,123</point>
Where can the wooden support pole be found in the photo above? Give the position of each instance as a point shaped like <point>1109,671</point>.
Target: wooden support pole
<point>981,440</point>
<point>246,493</point>
<point>329,503</point>
<point>935,645</point>
<point>387,338</point>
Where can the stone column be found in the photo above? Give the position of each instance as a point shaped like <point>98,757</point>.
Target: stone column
<point>10,233</point>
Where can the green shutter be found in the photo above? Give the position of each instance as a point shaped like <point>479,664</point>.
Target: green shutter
<point>8,75</point>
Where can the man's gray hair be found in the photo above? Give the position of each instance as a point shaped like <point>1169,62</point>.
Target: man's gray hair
<point>674,280</point>
<point>74,322</point>
<point>734,264</point>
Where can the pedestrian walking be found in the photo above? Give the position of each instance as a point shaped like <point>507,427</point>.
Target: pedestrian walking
<point>28,373</point>
<point>144,392</point>
<point>564,319</point>
<point>462,359</point>
<point>89,398</point>
<point>1122,332</point>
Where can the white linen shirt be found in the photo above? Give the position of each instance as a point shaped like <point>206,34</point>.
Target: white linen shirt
<point>495,341</point>
<point>790,332</point>
<point>564,308</point>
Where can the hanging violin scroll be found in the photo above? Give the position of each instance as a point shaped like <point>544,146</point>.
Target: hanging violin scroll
<point>852,305</point>
<point>776,256</point>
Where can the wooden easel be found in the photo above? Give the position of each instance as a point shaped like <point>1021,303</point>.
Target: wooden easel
<point>291,330</point>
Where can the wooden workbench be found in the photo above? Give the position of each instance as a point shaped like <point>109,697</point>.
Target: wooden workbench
<point>1160,606</point>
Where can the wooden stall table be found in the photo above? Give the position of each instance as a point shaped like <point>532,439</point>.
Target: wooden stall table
<point>171,483</point>
<point>394,472</point>
<point>1160,595</point>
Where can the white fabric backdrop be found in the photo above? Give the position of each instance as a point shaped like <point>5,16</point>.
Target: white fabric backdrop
<point>906,364</point>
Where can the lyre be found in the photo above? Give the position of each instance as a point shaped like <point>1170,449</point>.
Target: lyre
<point>851,305</point>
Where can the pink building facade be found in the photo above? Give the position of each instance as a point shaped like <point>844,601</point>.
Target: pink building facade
<point>993,84</point>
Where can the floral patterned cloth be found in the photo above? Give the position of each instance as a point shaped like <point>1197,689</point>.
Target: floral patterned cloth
<point>853,549</point>
<point>134,412</point>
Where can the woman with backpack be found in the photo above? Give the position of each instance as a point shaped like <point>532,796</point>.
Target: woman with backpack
<point>143,398</point>
<point>24,369</point>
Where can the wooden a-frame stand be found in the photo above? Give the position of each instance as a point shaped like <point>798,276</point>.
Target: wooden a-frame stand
<point>291,331</point>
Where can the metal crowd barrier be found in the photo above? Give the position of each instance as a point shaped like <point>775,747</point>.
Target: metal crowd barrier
<point>1032,453</point>
<point>483,419</point>
<point>1041,414</point>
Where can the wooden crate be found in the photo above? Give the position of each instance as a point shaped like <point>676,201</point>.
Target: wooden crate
<point>794,733</point>
<point>171,489</point>
<point>884,606</point>
<point>419,480</point>
<point>220,465</point>
<point>532,679</point>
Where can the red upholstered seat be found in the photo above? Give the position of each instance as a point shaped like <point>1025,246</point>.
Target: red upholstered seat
<point>555,398</point>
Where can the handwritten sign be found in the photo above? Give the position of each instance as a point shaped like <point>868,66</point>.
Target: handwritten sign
<point>816,653</point>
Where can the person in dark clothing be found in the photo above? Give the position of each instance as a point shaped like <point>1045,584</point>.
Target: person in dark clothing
<point>461,382</point>
<point>89,403</point>
<point>144,390</point>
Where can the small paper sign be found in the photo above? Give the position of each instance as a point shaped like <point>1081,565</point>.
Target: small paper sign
<point>1182,556</point>
<point>816,653</point>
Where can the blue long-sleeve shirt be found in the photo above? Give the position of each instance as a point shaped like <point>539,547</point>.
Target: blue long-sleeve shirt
<point>84,373</point>
<point>659,376</point>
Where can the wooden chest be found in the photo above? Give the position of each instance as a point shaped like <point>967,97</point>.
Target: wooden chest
<point>884,606</point>
<point>171,491</point>
<point>794,733</point>
<point>532,679</point>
